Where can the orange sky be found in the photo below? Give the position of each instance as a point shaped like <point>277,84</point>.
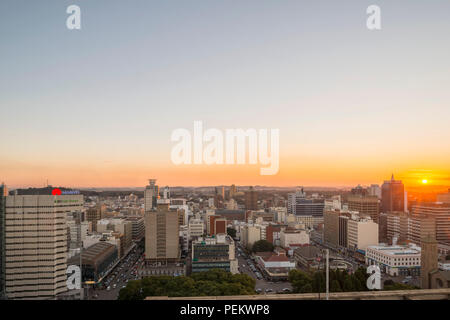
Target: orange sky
<point>306,172</point>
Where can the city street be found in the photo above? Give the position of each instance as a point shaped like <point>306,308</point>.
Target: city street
<point>118,278</point>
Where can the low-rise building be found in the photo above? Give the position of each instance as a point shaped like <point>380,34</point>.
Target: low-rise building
<point>217,252</point>
<point>306,256</point>
<point>395,260</point>
<point>290,237</point>
<point>274,265</point>
<point>97,260</point>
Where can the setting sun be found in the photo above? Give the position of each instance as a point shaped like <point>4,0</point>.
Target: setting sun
<point>424,181</point>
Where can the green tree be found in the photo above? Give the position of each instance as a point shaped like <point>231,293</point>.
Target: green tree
<point>307,288</point>
<point>335,286</point>
<point>262,246</point>
<point>299,280</point>
<point>231,232</point>
<point>318,282</point>
<point>215,282</point>
<point>348,284</point>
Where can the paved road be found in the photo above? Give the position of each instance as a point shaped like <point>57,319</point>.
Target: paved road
<point>119,277</point>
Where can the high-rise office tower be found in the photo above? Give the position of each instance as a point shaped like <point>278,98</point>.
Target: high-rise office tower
<point>3,193</point>
<point>251,199</point>
<point>93,215</point>
<point>36,244</point>
<point>366,206</point>
<point>162,234</point>
<point>331,227</point>
<point>392,196</point>
<point>299,205</point>
<point>439,212</point>
<point>398,227</point>
<point>151,195</point>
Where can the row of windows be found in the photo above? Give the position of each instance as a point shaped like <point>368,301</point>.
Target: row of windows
<point>34,255</point>
<point>31,267</point>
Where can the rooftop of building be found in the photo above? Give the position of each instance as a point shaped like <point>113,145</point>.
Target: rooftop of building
<point>308,252</point>
<point>41,191</point>
<point>94,253</point>
<point>396,250</point>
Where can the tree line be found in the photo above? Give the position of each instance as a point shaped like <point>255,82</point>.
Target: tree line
<point>215,282</point>
<point>340,281</point>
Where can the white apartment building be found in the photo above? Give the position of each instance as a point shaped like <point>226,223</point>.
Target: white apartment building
<point>395,260</point>
<point>250,234</point>
<point>36,244</point>
<point>196,228</point>
<point>308,221</point>
<point>296,237</point>
<point>361,233</point>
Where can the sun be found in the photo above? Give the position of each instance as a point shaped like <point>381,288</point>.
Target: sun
<point>424,181</point>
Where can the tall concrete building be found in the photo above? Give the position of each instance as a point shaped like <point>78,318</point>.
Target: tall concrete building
<point>382,228</point>
<point>393,196</point>
<point>361,233</point>
<point>35,242</point>
<point>138,227</point>
<point>3,194</point>
<point>331,227</point>
<point>251,199</point>
<point>94,214</point>
<point>249,235</point>
<point>151,195</point>
<point>162,235</point>
<point>440,212</point>
<point>300,205</point>
<point>366,205</point>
